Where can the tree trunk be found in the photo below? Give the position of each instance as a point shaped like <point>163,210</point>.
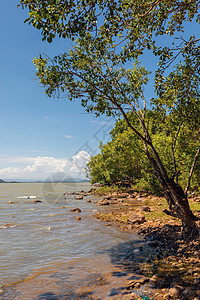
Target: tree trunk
<point>180,206</point>
<point>175,196</point>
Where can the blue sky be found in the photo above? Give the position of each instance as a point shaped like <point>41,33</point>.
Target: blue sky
<point>40,135</point>
<point>34,126</point>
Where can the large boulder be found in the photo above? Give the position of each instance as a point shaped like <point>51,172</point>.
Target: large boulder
<point>136,219</point>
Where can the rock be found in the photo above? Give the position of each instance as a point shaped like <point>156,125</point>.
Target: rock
<point>113,201</point>
<point>7,225</point>
<point>136,219</point>
<point>139,199</point>
<point>80,197</point>
<point>107,197</point>
<point>103,202</point>
<point>166,296</point>
<point>174,292</point>
<point>89,201</point>
<point>36,201</point>
<point>145,208</point>
<point>141,231</point>
<point>123,195</point>
<point>154,279</point>
<point>139,280</point>
<point>153,243</point>
<point>78,218</point>
<point>75,209</point>
<point>73,193</point>
<point>189,294</point>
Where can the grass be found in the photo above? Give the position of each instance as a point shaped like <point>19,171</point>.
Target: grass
<point>102,190</point>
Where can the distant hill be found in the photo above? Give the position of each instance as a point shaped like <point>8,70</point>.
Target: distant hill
<point>2,181</point>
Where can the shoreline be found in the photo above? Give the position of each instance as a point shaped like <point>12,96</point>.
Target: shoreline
<point>157,265</point>
<point>171,267</point>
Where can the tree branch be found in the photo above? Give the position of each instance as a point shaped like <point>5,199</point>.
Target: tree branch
<point>173,155</point>
<point>192,170</point>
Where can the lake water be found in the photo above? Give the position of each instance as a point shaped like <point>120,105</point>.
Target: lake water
<point>40,240</point>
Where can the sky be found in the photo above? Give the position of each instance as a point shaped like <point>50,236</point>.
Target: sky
<point>39,135</point>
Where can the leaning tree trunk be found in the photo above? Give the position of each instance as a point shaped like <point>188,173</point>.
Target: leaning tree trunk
<point>180,206</point>
<point>175,196</point>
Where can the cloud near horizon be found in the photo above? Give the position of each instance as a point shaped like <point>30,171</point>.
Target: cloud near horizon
<point>39,168</point>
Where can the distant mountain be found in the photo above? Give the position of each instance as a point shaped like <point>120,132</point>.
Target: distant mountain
<point>54,179</point>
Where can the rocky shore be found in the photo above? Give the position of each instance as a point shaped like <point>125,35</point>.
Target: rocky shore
<point>166,267</point>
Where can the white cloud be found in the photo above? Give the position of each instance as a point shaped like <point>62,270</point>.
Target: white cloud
<point>79,162</point>
<point>68,136</point>
<point>39,168</point>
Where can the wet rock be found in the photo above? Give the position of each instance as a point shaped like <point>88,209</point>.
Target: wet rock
<point>136,219</point>
<point>103,202</point>
<point>36,201</point>
<point>89,201</point>
<point>139,280</point>
<point>7,225</point>
<point>80,197</point>
<point>73,193</point>
<point>75,209</point>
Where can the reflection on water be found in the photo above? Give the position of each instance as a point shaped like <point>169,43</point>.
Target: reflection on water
<point>41,235</point>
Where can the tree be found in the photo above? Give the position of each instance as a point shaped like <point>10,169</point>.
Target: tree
<point>123,161</point>
<point>95,72</point>
<point>118,162</point>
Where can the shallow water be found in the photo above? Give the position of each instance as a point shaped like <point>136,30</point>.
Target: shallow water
<point>40,238</point>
